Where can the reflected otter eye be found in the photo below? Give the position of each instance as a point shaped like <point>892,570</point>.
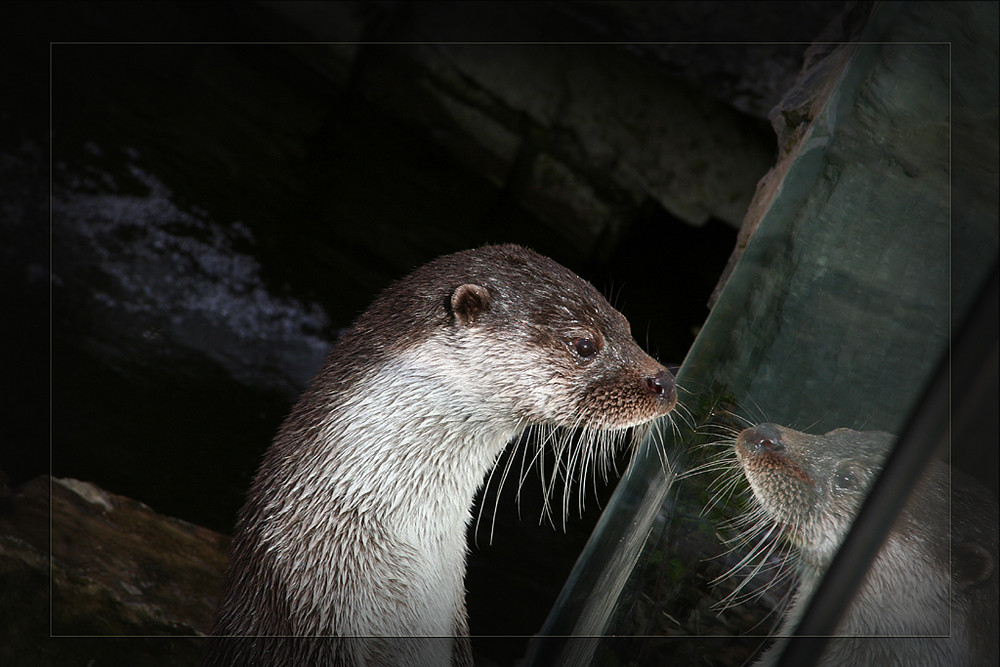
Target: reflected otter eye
<point>584,347</point>
<point>845,478</point>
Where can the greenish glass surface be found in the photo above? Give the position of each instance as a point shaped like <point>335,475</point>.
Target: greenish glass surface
<point>837,314</point>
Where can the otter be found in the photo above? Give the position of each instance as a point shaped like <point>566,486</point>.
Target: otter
<point>930,595</point>
<point>351,546</point>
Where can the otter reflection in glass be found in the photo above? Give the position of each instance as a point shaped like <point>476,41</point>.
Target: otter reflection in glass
<point>930,595</point>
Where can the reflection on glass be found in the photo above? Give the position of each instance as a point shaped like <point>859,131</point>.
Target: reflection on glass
<point>836,316</point>
<point>929,579</point>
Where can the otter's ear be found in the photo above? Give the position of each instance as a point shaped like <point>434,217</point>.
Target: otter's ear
<point>468,302</point>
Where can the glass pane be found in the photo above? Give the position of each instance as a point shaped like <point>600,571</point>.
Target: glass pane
<point>836,316</point>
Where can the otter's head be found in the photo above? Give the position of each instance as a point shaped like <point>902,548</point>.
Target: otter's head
<point>811,486</point>
<point>515,335</point>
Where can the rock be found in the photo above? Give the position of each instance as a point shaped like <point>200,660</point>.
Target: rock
<point>622,126</point>
<point>624,131</point>
<point>792,117</point>
<point>906,122</point>
<point>117,569</point>
<point>746,55</point>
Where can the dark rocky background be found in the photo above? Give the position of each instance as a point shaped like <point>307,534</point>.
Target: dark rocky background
<point>196,197</point>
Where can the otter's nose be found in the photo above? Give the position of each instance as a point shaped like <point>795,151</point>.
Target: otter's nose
<point>662,385</point>
<point>762,438</point>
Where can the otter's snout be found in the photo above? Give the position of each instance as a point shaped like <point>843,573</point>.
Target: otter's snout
<point>662,385</point>
<point>761,439</point>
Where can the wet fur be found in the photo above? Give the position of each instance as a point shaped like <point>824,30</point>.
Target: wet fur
<point>355,526</point>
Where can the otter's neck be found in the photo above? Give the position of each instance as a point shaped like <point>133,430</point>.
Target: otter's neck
<point>374,501</point>
<point>411,441</point>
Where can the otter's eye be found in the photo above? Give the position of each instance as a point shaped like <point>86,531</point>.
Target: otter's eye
<point>584,347</point>
<point>845,478</point>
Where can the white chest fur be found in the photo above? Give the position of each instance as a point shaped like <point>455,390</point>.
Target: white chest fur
<point>375,509</point>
